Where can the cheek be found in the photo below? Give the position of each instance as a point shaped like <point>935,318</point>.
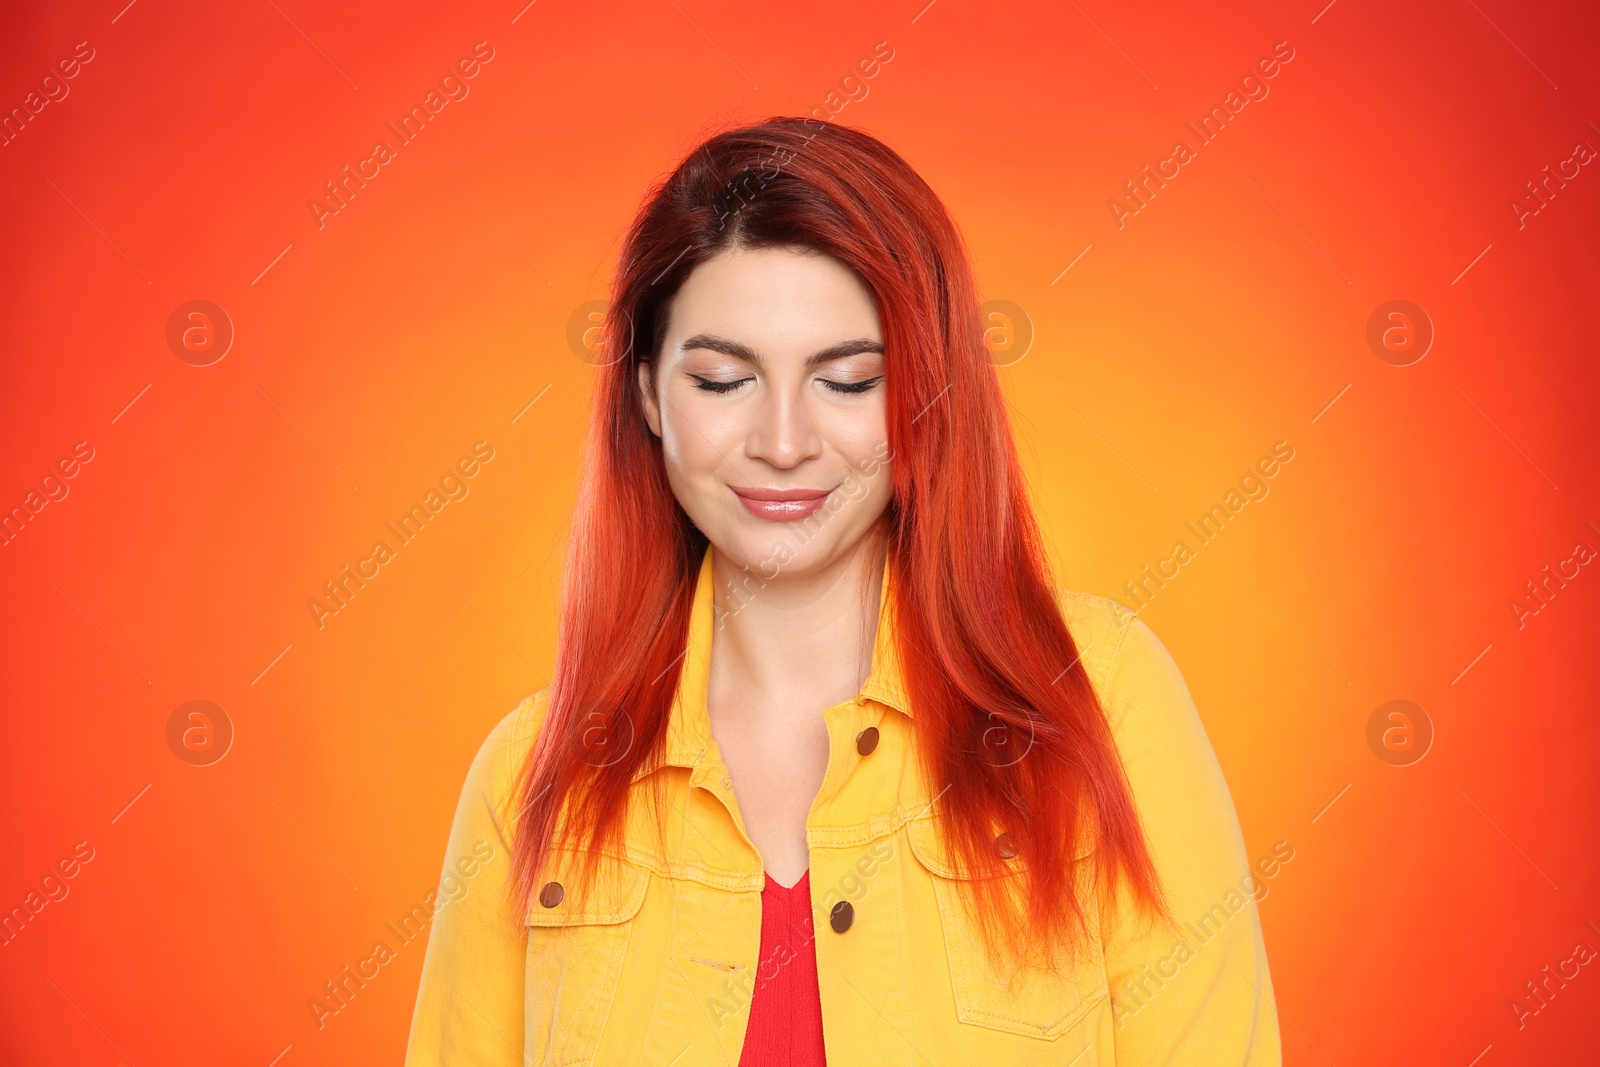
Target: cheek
<point>877,489</point>
<point>687,457</point>
<point>862,437</point>
<point>863,442</point>
<point>696,438</point>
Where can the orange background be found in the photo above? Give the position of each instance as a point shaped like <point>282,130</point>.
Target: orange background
<point>425,316</point>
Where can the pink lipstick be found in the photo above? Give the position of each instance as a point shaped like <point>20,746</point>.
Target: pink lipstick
<point>780,505</point>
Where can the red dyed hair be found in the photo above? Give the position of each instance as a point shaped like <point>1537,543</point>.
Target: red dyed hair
<point>987,658</point>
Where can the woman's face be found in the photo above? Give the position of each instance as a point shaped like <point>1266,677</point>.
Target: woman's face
<point>768,397</point>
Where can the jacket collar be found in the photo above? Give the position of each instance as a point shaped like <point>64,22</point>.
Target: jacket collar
<point>688,740</point>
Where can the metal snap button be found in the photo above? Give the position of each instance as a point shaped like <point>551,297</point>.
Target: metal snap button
<point>843,915</point>
<point>551,894</point>
<point>1005,846</point>
<point>867,740</point>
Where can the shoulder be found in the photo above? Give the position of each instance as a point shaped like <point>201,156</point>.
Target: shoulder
<point>1131,669</point>
<point>515,733</point>
<point>1172,769</point>
<point>1099,626</point>
<point>502,753</point>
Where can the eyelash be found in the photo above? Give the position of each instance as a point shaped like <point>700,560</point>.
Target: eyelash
<point>716,387</point>
<point>853,387</point>
<point>848,388</point>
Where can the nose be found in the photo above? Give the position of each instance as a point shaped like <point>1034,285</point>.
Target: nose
<point>784,432</point>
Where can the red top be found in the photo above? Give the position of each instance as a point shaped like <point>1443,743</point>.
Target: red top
<point>786,1008</point>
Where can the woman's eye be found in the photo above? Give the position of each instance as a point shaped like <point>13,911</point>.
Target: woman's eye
<point>712,386</point>
<point>852,387</point>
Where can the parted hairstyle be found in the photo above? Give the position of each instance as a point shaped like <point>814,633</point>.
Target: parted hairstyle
<point>1006,716</point>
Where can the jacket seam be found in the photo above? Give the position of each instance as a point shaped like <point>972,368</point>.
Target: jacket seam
<point>503,772</point>
<point>1126,627</point>
<point>1123,616</point>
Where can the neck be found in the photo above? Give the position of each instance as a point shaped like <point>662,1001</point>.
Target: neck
<point>796,642</point>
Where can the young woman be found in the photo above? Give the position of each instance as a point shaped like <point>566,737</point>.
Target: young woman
<point>829,769</point>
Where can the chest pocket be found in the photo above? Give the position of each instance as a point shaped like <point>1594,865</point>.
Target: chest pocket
<point>576,944</point>
<point>1030,1003</point>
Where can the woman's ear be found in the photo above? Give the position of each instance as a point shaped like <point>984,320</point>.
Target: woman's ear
<point>647,398</point>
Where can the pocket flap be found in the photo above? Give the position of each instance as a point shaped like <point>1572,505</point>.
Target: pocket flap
<point>933,854</point>
<point>1001,994</point>
<point>613,896</point>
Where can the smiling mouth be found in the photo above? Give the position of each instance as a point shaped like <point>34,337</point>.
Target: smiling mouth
<point>781,505</point>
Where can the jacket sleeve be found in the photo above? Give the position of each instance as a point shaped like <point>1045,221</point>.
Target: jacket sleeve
<point>1197,990</point>
<point>470,1002</point>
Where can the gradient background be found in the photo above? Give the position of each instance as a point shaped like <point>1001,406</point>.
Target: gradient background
<point>1225,316</point>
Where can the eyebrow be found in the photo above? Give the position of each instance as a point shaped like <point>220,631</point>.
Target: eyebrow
<point>742,351</point>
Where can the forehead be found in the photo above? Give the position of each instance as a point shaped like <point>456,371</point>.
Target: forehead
<point>776,295</point>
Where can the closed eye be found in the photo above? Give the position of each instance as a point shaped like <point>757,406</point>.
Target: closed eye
<point>712,386</point>
<point>852,387</point>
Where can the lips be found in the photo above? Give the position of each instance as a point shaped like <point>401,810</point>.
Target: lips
<point>781,505</point>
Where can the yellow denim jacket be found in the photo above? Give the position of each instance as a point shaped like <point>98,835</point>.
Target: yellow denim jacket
<point>657,964</point>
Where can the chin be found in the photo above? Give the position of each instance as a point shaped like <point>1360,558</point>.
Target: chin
<point>767,552</point>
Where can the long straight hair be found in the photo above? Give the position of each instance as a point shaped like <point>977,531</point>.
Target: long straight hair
<point>1004,709</point>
